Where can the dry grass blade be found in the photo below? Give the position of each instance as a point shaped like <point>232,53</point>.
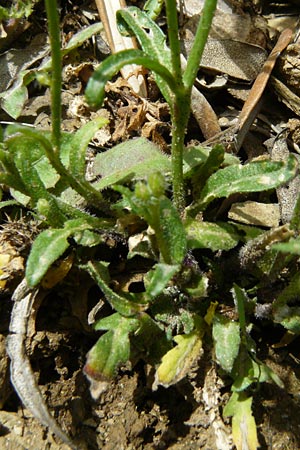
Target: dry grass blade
<point>132,73</point>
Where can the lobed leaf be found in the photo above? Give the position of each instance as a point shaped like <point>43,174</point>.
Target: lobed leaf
<point>177,362</point>
<point>113,348</point>
<point>243,423</point>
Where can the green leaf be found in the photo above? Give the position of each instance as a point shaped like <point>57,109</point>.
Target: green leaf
<point>170,233</point>
<point>47,248</point>
<point>135,158</point>
<point>9,174</point>
<point>177,362</point>
<point>293,246</point>
<point>193,157</point>
<point>213,162</point>
<point>285,309</point>
<point>215,236</point>
<point>153,42</point>
<point>95,90</point>
<point>243,424</point>
<point>81,36</point>
<point>29,161</point>
<point>149,342</point>
<point>248,369</point>
<point>226,336</point>
<point>158,279</point>
<point>252,177</point>
<point>14,98</point>
<point>163,217</point>
<point>78,146</point>
<point>113,348</point>
<point>153,8</point>
<point>123,305</point>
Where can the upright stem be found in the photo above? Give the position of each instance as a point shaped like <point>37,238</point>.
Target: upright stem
<point>196,52</point>
<point>56,81</point>
<point>174,42</point>
<point>180,109</point>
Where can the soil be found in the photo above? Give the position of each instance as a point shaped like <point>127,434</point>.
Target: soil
<point>128,415</point>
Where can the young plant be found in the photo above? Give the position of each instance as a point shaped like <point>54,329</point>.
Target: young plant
<point>174,83</point>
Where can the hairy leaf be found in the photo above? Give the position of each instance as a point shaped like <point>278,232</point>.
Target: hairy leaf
<point>113,348</point>
<point>193,157</point>
<point>135,158</point>
<point>243,424</point>
<point>95,90</point>
<point>81,36</point>
<point>177,362</point>
<point>285,309</point>
<point>78,146</point>
<point>15,97</point>
<point>226,336</point>
<point>153,42</point>
<point>125,306</point>
<point>252,177</point>
<point>158,279</point>
<point>214,160</point>
<point>47,248</point>
<point>160,213</point>
<point>215,236</point>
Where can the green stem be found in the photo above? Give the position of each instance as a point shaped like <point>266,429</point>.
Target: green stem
<point>180,109</point>
<point>174,42</point>
<point>180,117</point>
<point>196,52</point>
<point>56,63</point>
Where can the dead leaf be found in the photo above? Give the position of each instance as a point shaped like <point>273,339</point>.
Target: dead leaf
<point>255,213</point>
<point>251,105</point>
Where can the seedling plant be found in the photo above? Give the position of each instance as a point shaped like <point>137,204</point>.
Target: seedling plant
<point>171,203</point>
